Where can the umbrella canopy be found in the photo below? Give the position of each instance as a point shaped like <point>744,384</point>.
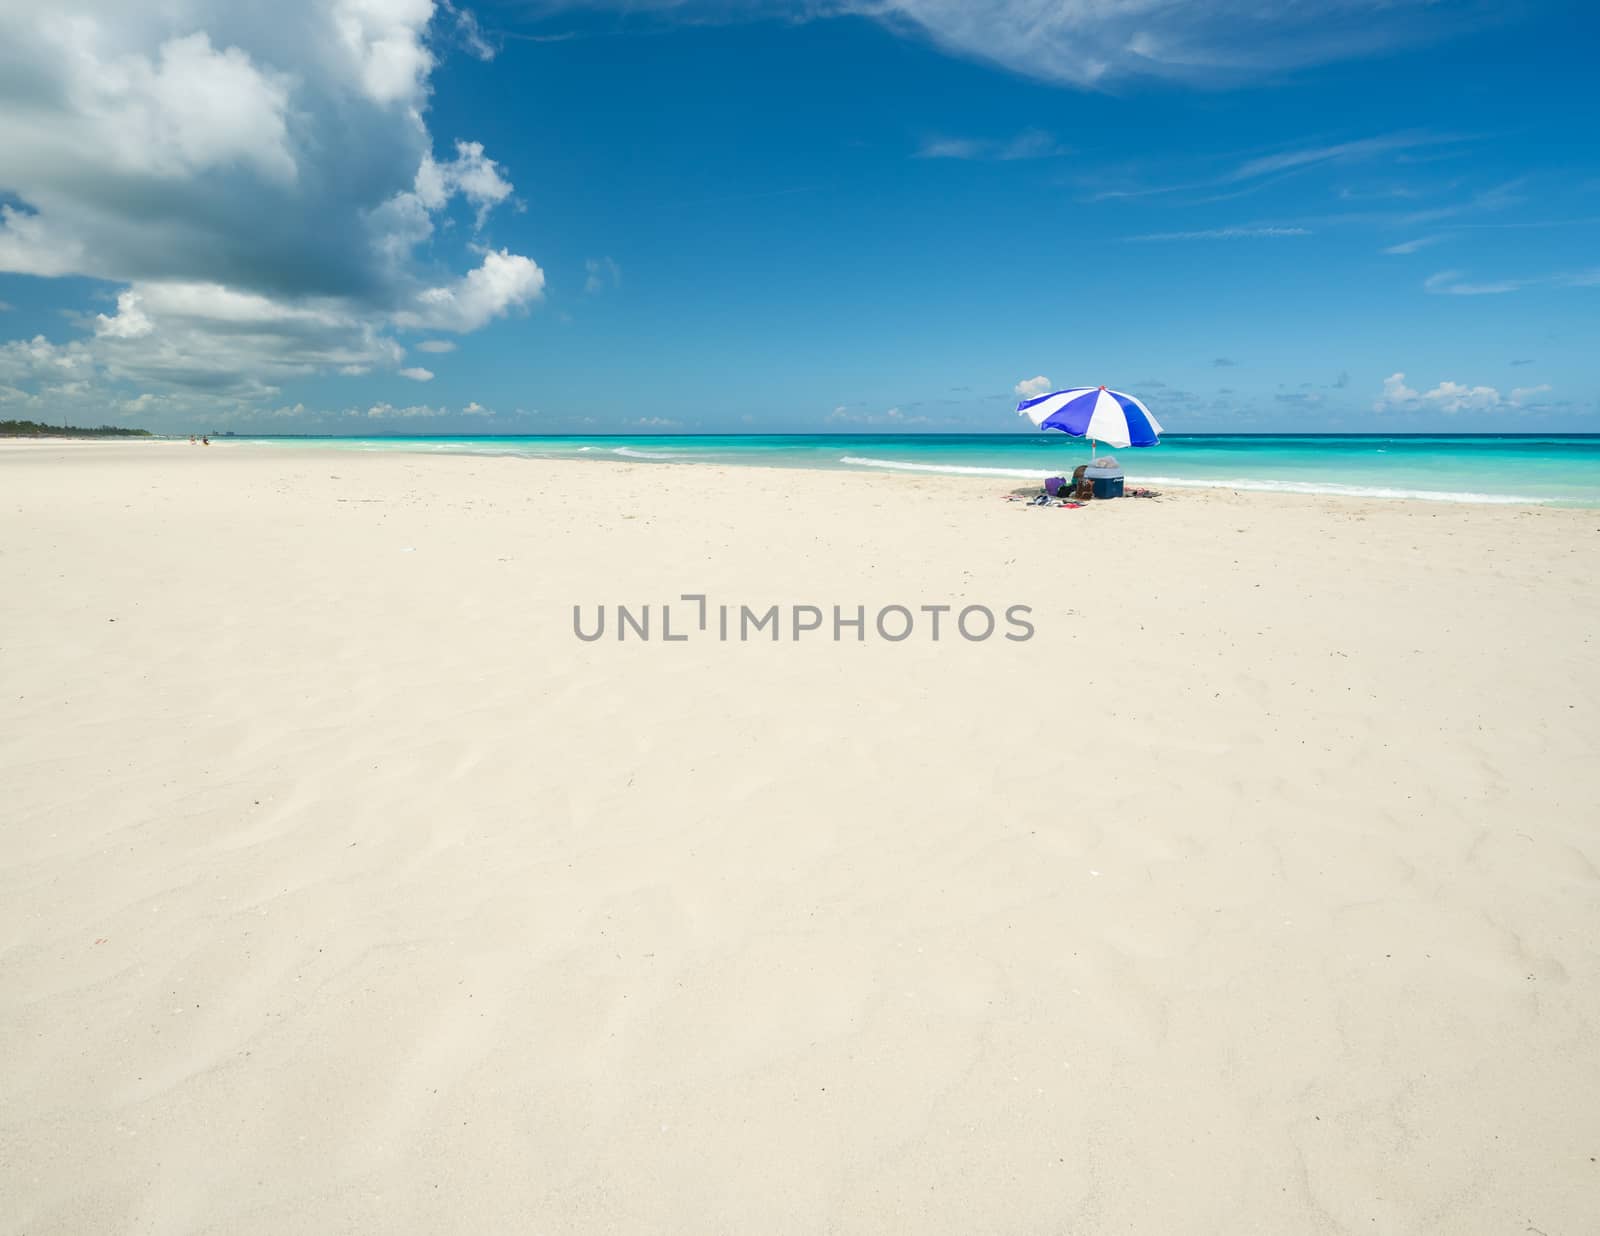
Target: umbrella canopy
<point>1094,412</point>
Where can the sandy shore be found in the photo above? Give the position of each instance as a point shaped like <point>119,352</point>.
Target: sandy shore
<point>345,890</point>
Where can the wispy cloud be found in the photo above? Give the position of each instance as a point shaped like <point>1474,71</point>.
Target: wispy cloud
<point>468,33</point>
<point>1222,362</point>
<point>1443,220</point>
<point>1225,233</point>
<point>1496,197</point>
<point>1338,152</point>
<point>387,411</point>
<point>1385,194</point>
<point>1091,45</point>
<point>1029,144</point>
<point>892,416</point>
<point>1411,246</point>
<point>1447,221</point>
<point>1259,171</point>
<point>1455,283</point>
<point>601,273</point>
<point>725,198</point>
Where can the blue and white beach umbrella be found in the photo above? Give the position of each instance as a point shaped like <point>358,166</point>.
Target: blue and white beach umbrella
<point>1095,413</point>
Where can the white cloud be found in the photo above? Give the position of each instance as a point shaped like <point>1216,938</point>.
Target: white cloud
<point>67,379</point>
<point>381,411</point>
<point>1032,388</point>
<point>1395,393</point>
<point>28,246</point>
<point>471,174</point>
<point>39,359</point>
<point>436,345</point>
<point>387,411</point>
<point>1450,397</point>
<point>503,281</point>
<point>254,181</point>
<point>166,112</point>
<point>225,340</point>
<point>130,322</point>
<point>384,41</point>
<point>1453,397</point>
<point>417,374</point>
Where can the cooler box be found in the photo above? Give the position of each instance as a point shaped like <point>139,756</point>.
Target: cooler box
<point>1106,478</point>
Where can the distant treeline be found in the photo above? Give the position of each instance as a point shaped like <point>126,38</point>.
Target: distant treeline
<point>33,429</point>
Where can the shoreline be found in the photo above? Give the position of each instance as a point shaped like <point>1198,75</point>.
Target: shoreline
<point>1245,487</point>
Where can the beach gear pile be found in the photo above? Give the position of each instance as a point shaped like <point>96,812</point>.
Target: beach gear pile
<point>1080,489</point>
<point>1044,499</point>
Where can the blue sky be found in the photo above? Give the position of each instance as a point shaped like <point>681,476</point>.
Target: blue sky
<point>391,216</point>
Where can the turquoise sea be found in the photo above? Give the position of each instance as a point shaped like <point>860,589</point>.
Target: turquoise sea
<point>1557,469</point>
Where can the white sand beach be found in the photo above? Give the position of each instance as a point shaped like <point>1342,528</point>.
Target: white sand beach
<point>345,890</point>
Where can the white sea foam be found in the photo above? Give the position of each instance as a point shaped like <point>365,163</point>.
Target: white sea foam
<point>630,453</point>
<point>1262,486</point>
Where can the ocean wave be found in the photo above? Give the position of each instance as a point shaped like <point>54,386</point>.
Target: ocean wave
<point>630,453</point>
